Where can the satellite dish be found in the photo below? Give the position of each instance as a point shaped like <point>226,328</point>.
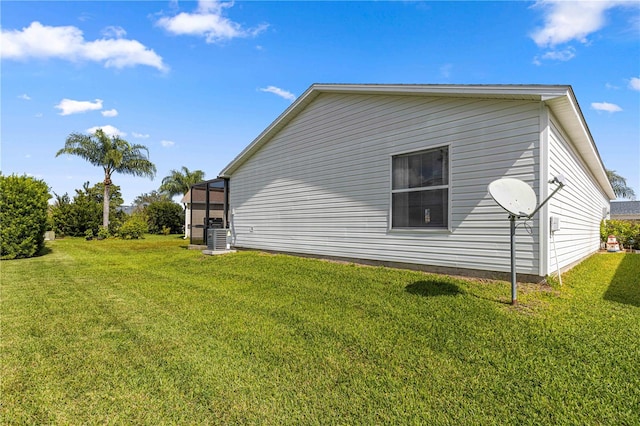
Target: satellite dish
<point>516,197</point>
<point>513,195</point>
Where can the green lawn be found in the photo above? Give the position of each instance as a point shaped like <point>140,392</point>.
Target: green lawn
<point>147,332</point>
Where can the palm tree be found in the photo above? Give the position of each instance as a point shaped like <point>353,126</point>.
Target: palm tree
<point>149,197</point>
<point>114,155</point>
<point>179,181</point>
<point>619,185</point>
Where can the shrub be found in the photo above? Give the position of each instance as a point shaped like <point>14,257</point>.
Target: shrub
<point>625,232</point>
<point>164,214</point>
<point>133,228</point>
<point>61,215</point>
<point>75,217</point>
<point>23,215</point>
<point>103,233</point>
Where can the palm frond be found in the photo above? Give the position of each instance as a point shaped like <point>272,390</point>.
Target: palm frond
<point>178,182</point>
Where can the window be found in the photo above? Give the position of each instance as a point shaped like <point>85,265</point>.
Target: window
<point>420,189</point>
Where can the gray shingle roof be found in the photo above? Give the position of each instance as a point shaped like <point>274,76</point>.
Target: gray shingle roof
<point>626,208</point>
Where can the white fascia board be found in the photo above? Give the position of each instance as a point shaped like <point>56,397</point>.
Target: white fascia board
<point>539,92</point>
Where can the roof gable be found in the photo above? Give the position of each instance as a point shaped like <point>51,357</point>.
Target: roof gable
<point>559,98</point>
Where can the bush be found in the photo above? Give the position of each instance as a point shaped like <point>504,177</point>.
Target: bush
<point>23,215</point>
<point>103,233</point>
<point>163,215</point>
<point>74,218</point>
<point>133,228</point>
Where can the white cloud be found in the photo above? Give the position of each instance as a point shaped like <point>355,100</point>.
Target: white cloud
<point>560,55</point>
<point>39,115</point>
<point>140,135</point>
<point>571,20</point>
<point>634,83</point>
<point>207,21</point>
<point>556,55</point>
<point>280,92</point>
<point>108,130</point>
<point>114,32</point>
<point>109,113</point>
<point>167,144</point>
<point>25,97</point>
<point>67,42</point>
<point>605,106</point>
<point>69,106</point>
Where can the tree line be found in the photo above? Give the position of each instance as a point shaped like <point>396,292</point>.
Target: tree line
<point>93,210</point>
<point>154,212</point>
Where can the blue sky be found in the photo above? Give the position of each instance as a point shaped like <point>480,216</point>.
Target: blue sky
<point>197,81</point>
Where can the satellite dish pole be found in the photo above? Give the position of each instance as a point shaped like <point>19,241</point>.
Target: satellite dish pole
<point>514,290</point>
<point>519,200</point>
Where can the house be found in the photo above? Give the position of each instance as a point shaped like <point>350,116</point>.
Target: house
<point>398,175</point>
<point>625,210</point>
<point>126,209</point>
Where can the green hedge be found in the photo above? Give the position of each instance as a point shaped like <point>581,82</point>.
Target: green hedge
<point>164,217</point>
<point>23,216</point>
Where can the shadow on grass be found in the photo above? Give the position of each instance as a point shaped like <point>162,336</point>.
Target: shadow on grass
<point>625,285</point>
<point>44,251</point>
<point>433,288</point>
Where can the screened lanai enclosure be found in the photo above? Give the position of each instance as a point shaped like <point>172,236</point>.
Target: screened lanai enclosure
<point>206,214</point>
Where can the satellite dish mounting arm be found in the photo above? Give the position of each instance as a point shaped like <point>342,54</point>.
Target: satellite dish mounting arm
<point>559,180</point>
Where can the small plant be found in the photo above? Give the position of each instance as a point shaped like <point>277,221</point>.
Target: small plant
<point>103,233</point>
<point>88,235</point>
<point>166,230</point>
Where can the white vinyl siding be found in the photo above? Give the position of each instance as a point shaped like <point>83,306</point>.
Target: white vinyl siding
<point>579,205</point>
<point>321,184</point>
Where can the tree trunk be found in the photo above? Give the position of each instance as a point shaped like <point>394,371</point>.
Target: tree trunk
<point>105,204</point>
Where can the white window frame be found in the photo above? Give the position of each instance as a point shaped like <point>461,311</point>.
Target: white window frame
<point>448,187</point>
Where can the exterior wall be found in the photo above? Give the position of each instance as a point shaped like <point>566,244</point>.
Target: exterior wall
<point>581,204</point>
<point>321,185</point>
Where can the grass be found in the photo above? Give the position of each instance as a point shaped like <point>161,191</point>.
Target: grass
<point>147,332</point>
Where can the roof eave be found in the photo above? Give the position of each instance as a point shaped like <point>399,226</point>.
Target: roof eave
<point>567,110</point>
